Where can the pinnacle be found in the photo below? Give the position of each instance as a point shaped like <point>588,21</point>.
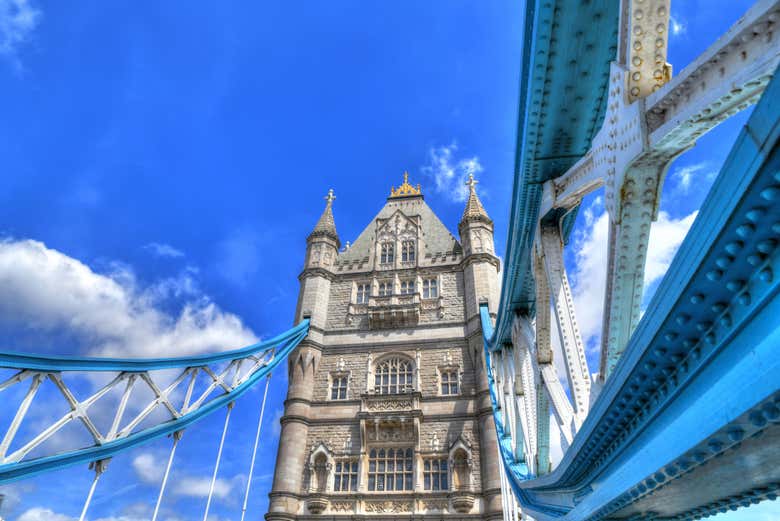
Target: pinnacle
<point>474,210</point>
<point>326,225</point>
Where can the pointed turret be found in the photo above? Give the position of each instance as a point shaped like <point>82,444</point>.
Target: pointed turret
<point>481,264</point>
<point>326,225</point>
<point>474,210</point>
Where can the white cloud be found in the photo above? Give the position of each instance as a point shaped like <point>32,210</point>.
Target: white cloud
<point>148,468</point>
<point>45,290</point>
<point>449,173</point>
<point>686,174</point>
<point>18,19</point>
<point>160,249</point>
<point>677,26</point>
<point>43,514</point>
<point>589,276</point>
<point>199,487</point>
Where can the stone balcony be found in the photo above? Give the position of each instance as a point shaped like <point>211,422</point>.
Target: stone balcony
<point>393,311</point>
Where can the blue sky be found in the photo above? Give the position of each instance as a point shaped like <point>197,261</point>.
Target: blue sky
<point>164,162</point>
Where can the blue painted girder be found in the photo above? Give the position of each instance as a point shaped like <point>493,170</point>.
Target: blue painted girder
<point>689,423</point>
<point>567,49</point>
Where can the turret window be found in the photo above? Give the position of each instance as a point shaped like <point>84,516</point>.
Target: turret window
<point>393,376</point>
<point>363,292</point>
<point>435,476</point>
<point>338,387</point>
<point>345,477</point>
<point>407,287</point>
<point>430,288</point>
<point>390,469</point>
<point>407,251</point>
<point>387,253</point>
<point>449,382</point>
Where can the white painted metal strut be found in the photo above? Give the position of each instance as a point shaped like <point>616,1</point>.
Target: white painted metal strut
<point>571,340</point>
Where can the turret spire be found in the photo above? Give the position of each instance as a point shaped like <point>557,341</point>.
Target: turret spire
<point>326,225</point>
<point>474,210</point>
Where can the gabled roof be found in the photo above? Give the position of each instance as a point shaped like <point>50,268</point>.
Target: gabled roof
<point>435,236</point>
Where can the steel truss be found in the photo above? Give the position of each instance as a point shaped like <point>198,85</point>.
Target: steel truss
<point>202,385</point>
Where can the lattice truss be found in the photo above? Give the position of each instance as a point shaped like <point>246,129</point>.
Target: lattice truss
<point>106,406</point>
<point>651,119</point>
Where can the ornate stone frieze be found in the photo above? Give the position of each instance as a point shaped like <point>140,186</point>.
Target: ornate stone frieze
<point>388,507</point>
<point>433,505</point>
<point>342,506</point>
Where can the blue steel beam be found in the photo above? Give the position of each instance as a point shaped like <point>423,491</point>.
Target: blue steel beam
<point>698,382</point>
<point>63,363</point>
<point>567,49</point>
<point>283,343</point>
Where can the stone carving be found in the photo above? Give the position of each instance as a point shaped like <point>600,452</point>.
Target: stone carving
<point>388,507</point>
<point>342,506</point>
<point>389,405</point>
<point>436,504</point>
<point>403,432</point>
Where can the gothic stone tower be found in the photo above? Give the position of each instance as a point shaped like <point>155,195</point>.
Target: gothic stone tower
<point>387,412</point>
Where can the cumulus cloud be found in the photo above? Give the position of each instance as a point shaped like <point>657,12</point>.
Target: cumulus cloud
<point>45,290</point>
<point>160,249</point>
<point>148,469</point>
<point>43,514</point>
<point>18,19</point>
<point>686,174</point>
<point>199,487</point>
<point>46,514</point>
<point>449,173</point>
<point>590,275</point>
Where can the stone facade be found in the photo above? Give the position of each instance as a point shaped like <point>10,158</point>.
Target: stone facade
<point>387,413</point>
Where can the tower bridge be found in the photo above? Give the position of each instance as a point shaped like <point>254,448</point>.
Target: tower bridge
<point>422,377</point>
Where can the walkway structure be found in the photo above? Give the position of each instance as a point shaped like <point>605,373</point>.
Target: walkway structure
<point>681,421</point>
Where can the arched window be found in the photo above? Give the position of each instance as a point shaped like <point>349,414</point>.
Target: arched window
<point>407,251</point>
<point>393,376</point>
<point>387,253</point>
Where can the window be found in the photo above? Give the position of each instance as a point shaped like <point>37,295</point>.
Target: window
<point>387,253</point>
<point>449,382</point>
<point>363,291</point>
<point>390,469</point>
<point>346,476</point>
<point>393,376</point>
<point>435,474</point>
<point>385,289</point>
<point>430,288</point>
<point>338,388</point>
<point>407,251</point>
<point>407,287</point>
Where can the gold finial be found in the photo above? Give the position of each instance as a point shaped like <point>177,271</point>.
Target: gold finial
<point>330,197</point>
<point>405,189</point>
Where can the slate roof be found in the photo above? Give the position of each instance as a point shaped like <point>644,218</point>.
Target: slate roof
<point>435,235</point>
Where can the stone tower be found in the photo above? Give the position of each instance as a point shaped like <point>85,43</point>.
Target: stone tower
<point>387,411</point>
